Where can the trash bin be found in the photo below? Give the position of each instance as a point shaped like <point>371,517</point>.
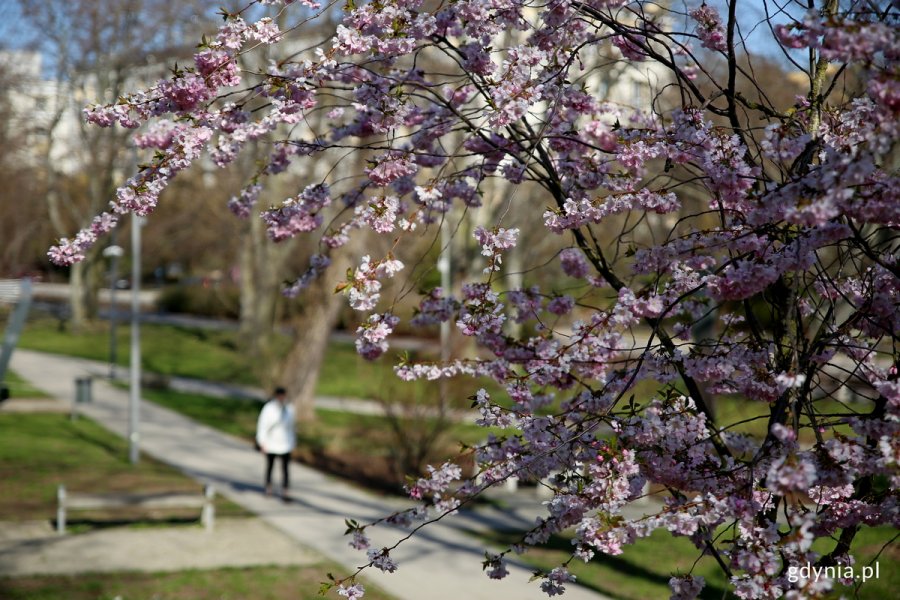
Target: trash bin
<point>82,394</point>
<point>83,390</point>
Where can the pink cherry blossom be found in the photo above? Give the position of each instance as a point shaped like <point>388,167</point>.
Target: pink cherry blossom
<point>354,592</point>
<point>709,27</point>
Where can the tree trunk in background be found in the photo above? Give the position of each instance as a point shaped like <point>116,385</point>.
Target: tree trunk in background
<point>321,306</point>
<point>261,268</point>
<point>84,281</point>
<point>78,313</point>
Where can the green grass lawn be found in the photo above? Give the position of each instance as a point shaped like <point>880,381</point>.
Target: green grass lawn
<point>751,417</point>
<point>19,388</point>
<point>170,350</point>
<point>642,572</point>
<point>212,355</point>
<point>165,349</point>
<point>39,451</point>
<point>257,583</point>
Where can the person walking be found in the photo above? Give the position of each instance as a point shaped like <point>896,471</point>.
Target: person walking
<point>276,437</point>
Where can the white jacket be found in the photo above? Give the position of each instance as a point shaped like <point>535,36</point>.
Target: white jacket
<point>275,428</point>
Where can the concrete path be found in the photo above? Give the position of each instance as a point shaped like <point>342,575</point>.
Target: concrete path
<point>34,548</point>
<point>439,563</point>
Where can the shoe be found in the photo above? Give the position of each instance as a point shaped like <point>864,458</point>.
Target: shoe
<point>268,490</point>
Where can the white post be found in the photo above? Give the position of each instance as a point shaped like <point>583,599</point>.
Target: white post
<point>113,253</point>
<point>61,510</point>
<point>444,269</point>
<point>134,397</point>
<point>208,516</point>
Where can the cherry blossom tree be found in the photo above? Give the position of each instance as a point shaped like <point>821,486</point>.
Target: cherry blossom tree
<point>704,199</point>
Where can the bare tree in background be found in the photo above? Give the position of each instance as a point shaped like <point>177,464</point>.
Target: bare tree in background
<point>22,227</point>
<point>94,50</point>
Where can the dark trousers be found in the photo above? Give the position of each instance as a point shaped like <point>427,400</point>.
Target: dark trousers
<point>270,460</point>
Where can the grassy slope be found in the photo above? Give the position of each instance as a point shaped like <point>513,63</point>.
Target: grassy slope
<point>203,354</point>
<point>40,451</point>
<point>642,572</point>
<point>258,583</point>
<point>19,388</point>
<point>167,350</point>
<point>213,355</point>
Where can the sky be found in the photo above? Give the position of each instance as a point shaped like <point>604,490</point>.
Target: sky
<point>16,32</point>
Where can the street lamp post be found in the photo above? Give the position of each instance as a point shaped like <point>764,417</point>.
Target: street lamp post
<point>134,396</point>
<point>444,266</point>
<point>444,269</point>
<point>113,253</point>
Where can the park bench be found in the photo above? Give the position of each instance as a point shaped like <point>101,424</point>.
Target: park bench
<point>68,502</point>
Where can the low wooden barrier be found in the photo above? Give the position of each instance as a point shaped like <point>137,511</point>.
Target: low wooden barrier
<point>70,502</point>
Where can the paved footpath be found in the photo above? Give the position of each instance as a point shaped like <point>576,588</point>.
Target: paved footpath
<point>34,548</point>
<point>439,563</point>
